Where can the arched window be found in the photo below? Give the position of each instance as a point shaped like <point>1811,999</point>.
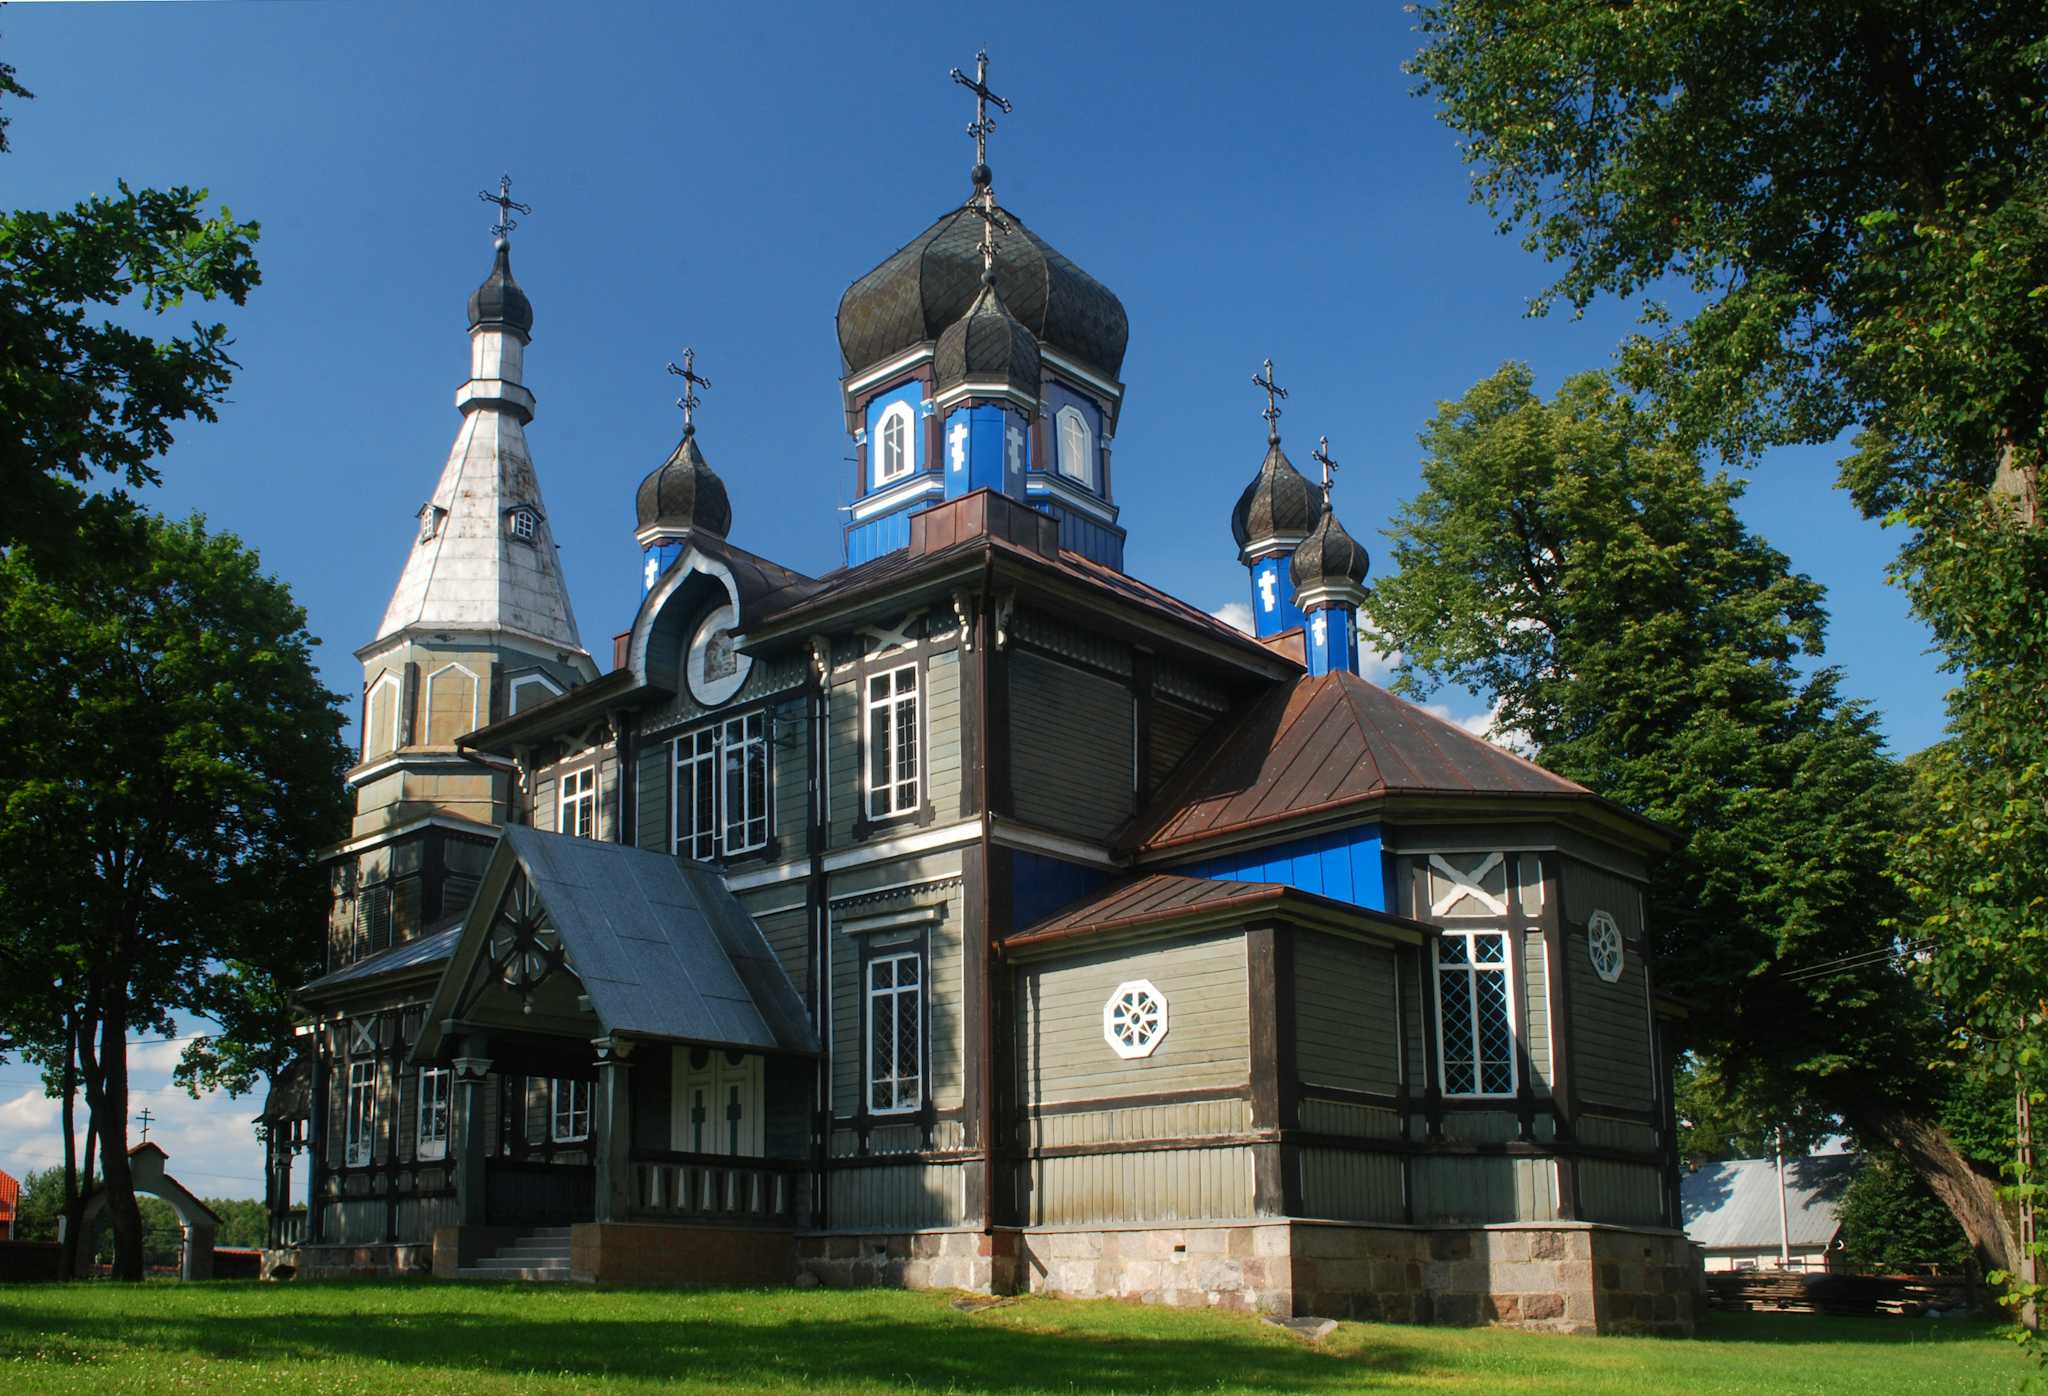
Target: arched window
<point>1077,447</point>
<point>893,453</point>
<point>380,717</point>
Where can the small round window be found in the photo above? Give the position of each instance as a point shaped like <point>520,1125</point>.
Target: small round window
<point>1603,946</point>
<point>1134,1019</point>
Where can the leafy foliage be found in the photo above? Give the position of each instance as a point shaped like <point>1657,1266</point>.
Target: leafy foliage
<point>1891,1223</point>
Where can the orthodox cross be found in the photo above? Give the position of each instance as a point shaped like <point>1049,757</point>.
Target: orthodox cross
<point>983,98</point>
<point>692,380</point>
<point>1322,457</point>
<point>506,204</point>
<point>144,1120</point>
<point>992,223</point>
<point>1274,392</point>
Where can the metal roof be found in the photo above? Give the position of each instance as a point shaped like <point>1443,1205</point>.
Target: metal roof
<point>1161,900</point>
<point>1734,1205</point>
<point>432,948</point>
<point>661,947</point>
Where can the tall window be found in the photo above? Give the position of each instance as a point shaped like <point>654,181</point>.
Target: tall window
<point>893,455</point>
<point>721,789</point>
<point>1475,1013</point>
<point>361,1129</point>
<point>579,803</point>
<point>892,742</point>
<point>1077,447</point>
<point>570,1113</point>
<point>436,1083</point>
<point>895,1033</point>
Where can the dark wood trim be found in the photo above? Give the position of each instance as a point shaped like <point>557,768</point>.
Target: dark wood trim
<point>1271,1067</point>
<point>1466,1148</point>
<point>1518,926</point>
<point>1266,1141</point>
<point>1136,1102</point>
<point>1557,989</point>
<point>917,1156</point>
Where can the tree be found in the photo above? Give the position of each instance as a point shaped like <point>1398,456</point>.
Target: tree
<point>169,765</point>
<point>83,395</point>
<point>1575,564</point>
<point>1891,1223</point>
<point>1855,195</point>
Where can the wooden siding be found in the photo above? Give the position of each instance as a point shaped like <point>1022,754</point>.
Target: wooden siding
<point>1536,1005</point>
<point>1156,1185</point>
<point>1481,1126</point>
<point>1344,1014</point>
<point>1598,1132</point>
<point>1483,1189</point>
<point>789,809</point>
<point>652,785</point>
<point>1349,1186</point>
<point>1192,1119</point>
<point>1175,730</point>
<point>944,1026</point>
<point>1320,1116</point>
<point>1411,967</point>
<point>843,786</point>
<point>913,1196</point>
<point>544,811</point>
<point>1610,1028</point>
<point>1623,1193</point>
<point>789,936</point>
<point>943,787</point>
<point>1070,747</point>
<point>1208,1039</point>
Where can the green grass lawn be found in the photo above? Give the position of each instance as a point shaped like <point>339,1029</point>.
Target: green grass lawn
<point>471,1340</point>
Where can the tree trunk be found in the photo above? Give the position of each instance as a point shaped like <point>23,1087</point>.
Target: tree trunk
<point>1969,1196</point>
<point>2019,482</point>
<point>111,1110</point>
<point>74,1190</point>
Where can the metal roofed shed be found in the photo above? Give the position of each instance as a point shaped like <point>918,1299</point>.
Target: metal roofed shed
<point>1731,1210</point>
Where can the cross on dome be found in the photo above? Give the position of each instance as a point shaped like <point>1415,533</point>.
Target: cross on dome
<point>506,205</point>
<point>983,123</point>
<point>692,380</point>
<point>1323,458</point>
<point>1274,392</point>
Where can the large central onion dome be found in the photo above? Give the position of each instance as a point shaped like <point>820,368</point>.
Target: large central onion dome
<point>933,282</point>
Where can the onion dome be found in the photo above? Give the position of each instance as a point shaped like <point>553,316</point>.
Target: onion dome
<point>987,346</point>
<point>935,280</point>
<point>1329,558</point>
<point>499,302</point>
<point>684,495</point>
<point>1278,503</point>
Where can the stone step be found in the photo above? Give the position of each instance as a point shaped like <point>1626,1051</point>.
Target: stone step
<point>532,1255</point>
<point>545,1233</point>
<point>488,1271</point>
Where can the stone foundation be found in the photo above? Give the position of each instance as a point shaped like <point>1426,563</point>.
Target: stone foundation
<point>1570,1277</point>
<point>378,1262</point>
<point>653,1253</point>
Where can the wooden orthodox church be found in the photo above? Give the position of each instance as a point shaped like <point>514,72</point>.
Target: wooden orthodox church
<point>971,915</point>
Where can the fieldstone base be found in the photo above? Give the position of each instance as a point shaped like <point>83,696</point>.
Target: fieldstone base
<point>381,1262</point>
<point>1570,1277</point>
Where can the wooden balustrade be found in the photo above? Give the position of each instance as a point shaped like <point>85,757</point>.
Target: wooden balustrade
<point>716,1187</point>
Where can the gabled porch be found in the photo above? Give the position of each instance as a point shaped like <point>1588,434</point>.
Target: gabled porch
<point>628,1060</point>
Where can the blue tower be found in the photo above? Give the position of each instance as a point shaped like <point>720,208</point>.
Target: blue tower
<point>1328,572</point>
<point>1273,515</point>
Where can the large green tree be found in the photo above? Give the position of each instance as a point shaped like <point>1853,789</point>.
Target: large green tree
<point>169,765</point>
<point>1574,563</point>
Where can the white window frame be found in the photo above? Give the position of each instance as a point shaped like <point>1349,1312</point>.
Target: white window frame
<point>1470,971</point>
<point>899,415</point>
<point>898,795</point>
<point>476,688</point>
<point>359,1130</point>
<point>370,706</point>
<point>892,996</point>
<point>576,804</point>
<point>568,1107</point>
<point>1076,446</point>
<point>554,690</point>
<point>745,829</point>
<point>524,524</point>
<point>701,764</point>
<point>435,1114</point>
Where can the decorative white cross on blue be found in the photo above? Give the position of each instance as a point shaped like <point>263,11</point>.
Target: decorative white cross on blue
<point>957,439</point>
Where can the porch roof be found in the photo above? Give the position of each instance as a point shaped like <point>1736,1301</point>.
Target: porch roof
<point>659,945</point>
<point>1172,901</point>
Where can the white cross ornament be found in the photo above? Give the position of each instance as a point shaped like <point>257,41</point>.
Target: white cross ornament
<point>1321,627</point>
<point>1016,451</point>
<point>1266,585</point>
<point>957,439</point>
<point>653,571</point>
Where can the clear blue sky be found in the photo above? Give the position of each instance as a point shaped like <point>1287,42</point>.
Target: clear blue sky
<point>1250,181</point>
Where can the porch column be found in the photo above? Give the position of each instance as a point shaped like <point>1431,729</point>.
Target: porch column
<point>613,1127</point>
<point>472,1149</point>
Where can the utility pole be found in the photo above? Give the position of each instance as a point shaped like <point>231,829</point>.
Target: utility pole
<point>1784,1213</point>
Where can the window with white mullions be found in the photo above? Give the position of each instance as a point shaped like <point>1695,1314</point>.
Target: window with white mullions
<point>435,1089</point>
<point>1475,1013</point>
<point>893,455</point>
<point>569,1117</point>
<point>892,742</point>
<point>361,1127</point>
<point>579,803</point>
<point>895,1034</point>
<point>720,805</point>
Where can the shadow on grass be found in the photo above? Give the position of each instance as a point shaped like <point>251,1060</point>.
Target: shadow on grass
<point>1796,1329</point>
<point>787,1344</point>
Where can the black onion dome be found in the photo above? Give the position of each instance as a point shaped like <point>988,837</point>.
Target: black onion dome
<point>987,345</point>
<point>933,281</point>
<point>1279,502</point>
<point>1329,557</point>
<point>499,301</point>
<point>685,493</point>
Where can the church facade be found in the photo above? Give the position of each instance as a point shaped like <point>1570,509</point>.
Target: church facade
<point>973,914</point>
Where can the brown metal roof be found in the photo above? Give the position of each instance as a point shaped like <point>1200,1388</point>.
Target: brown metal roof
<point>1163,899</point>
<point>1324,742</point>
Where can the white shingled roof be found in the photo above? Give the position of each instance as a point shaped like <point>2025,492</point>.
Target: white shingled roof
<point>1734,1205</point>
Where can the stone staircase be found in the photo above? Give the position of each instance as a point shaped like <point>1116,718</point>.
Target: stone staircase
<point>540,1254</point>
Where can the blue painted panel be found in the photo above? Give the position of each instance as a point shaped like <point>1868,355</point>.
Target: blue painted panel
<point>1333,640</point>
<point>1273,608</point>
<point>911,392</point>
<point>1040,886</point>
<point>1083,535</point>
<point>1345,866</point>
<point>656,560</point>
<point>1057,396</point>
<point>867,541</point>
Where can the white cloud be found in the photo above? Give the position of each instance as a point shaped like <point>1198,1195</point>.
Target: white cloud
<point>1235,614</point>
